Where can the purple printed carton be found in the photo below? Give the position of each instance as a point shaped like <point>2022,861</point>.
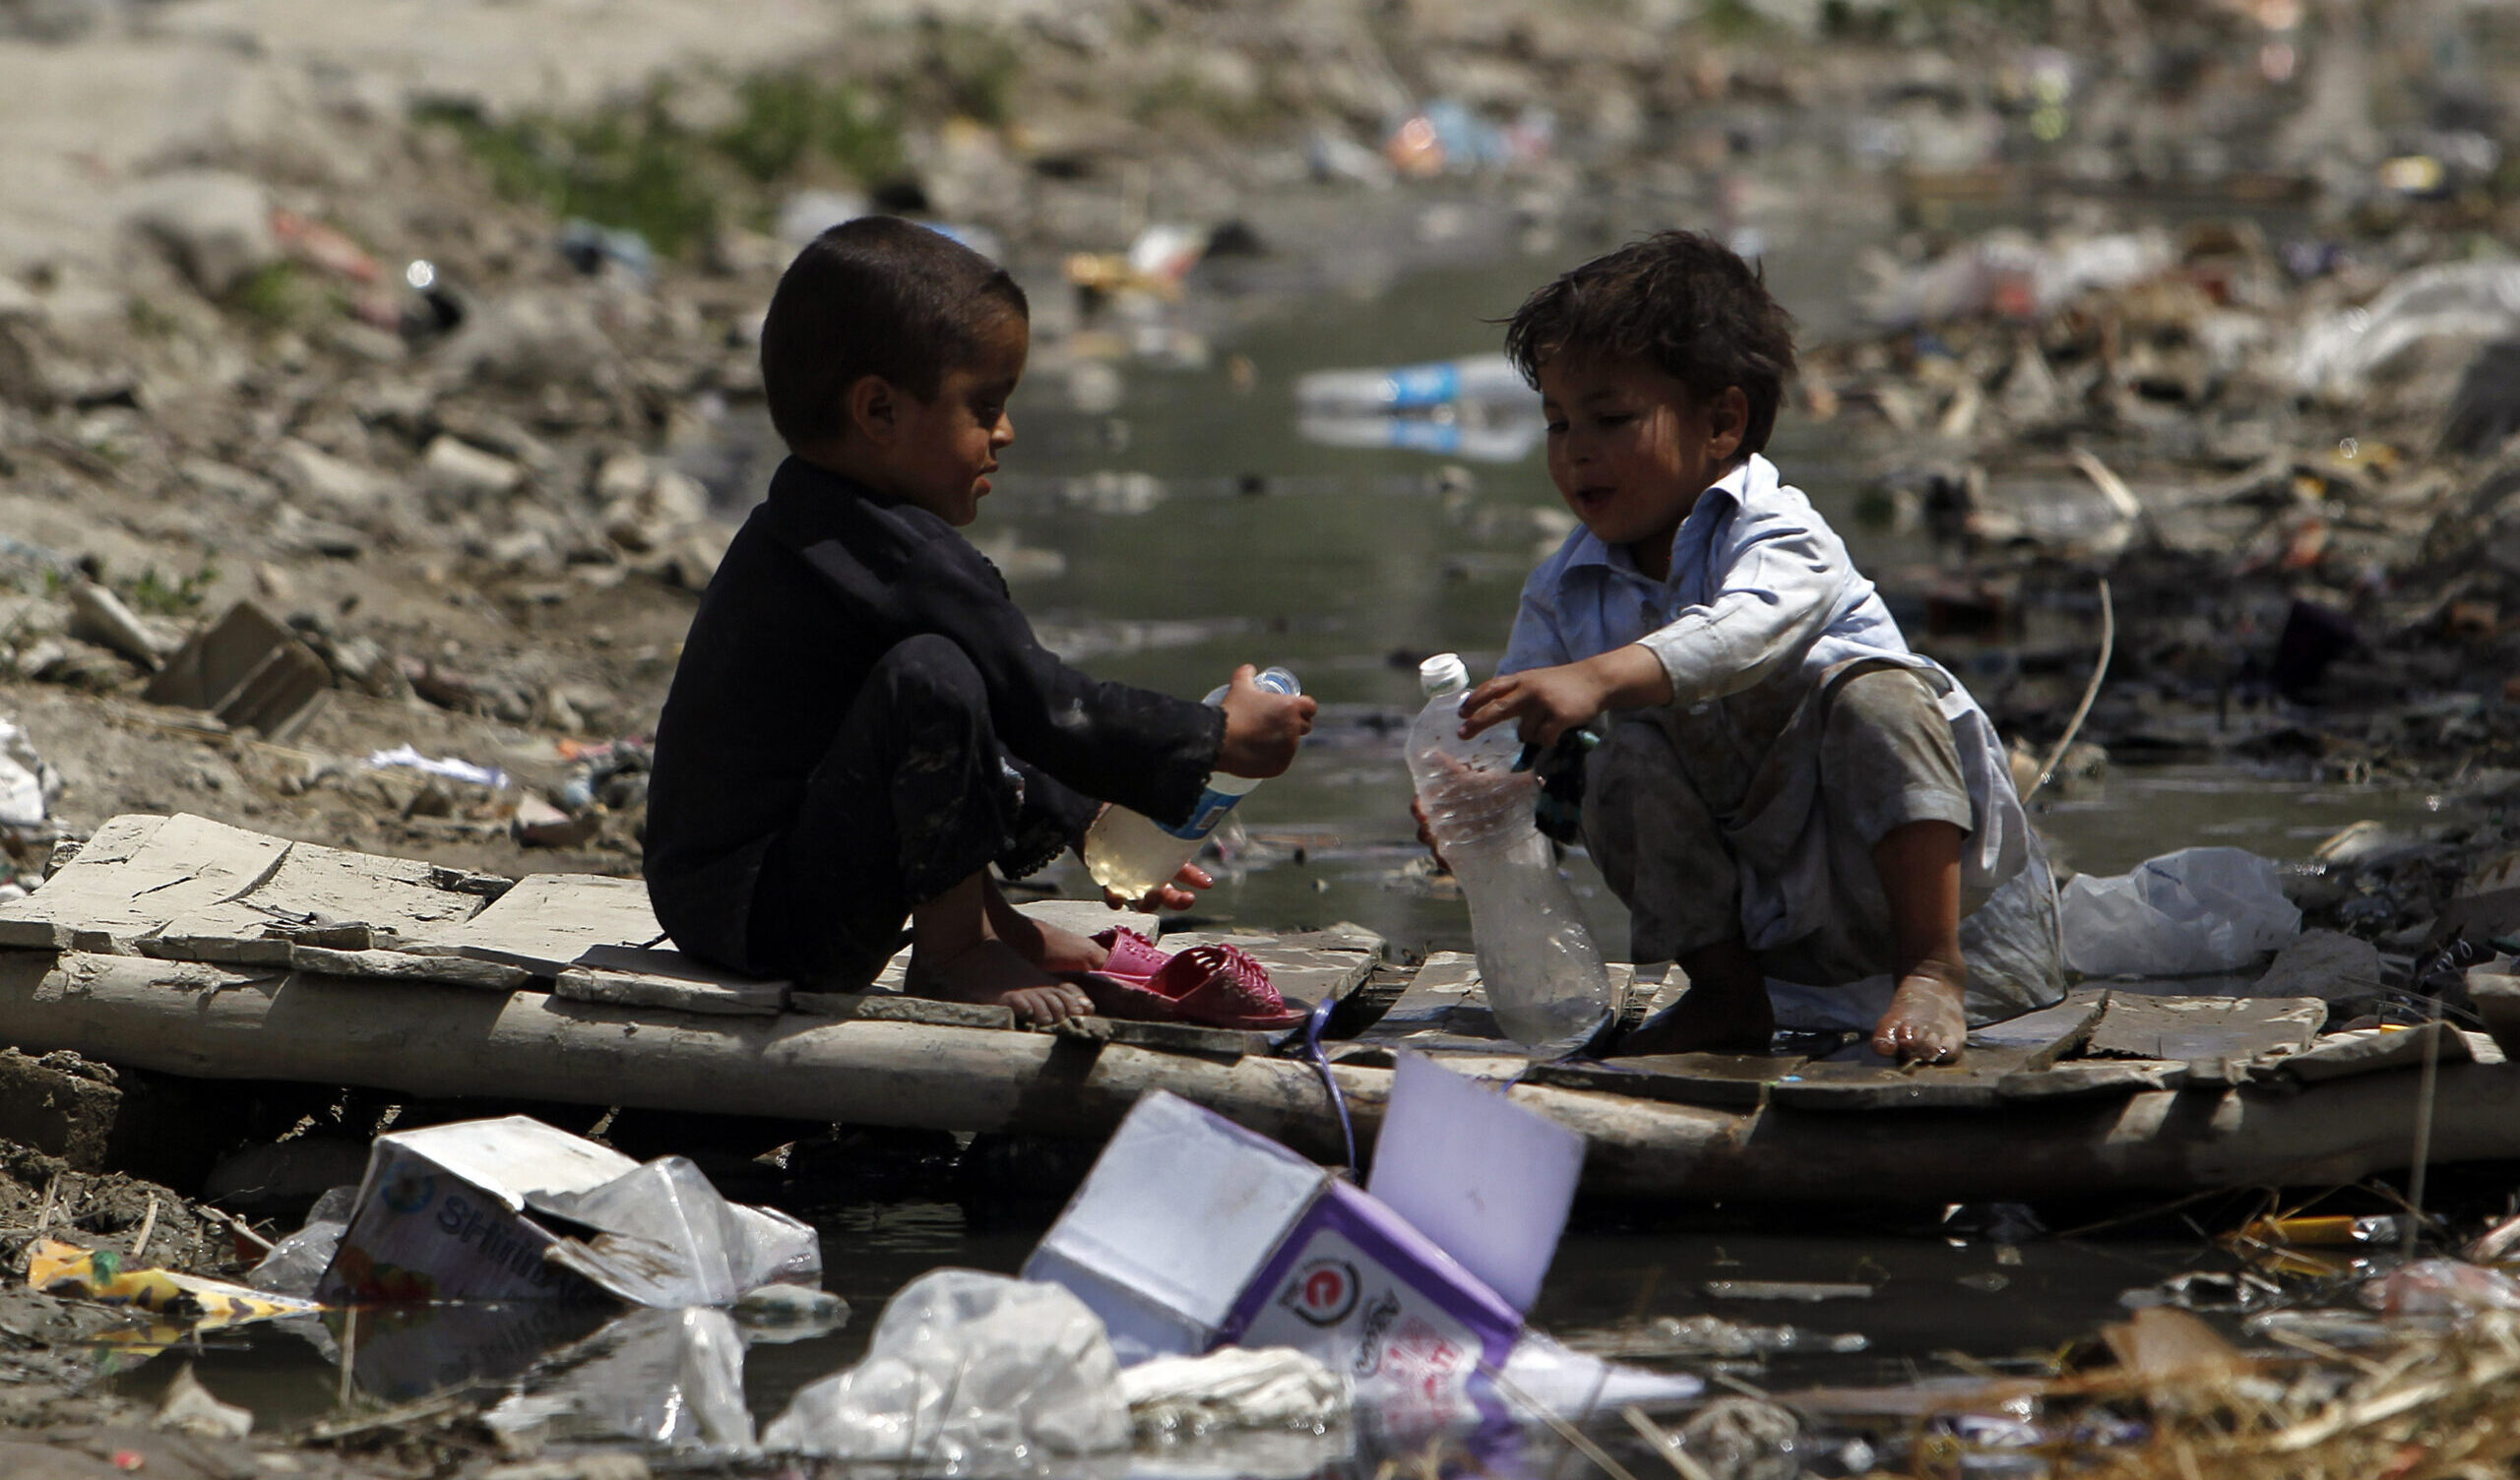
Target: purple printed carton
<point>1358,1288</point>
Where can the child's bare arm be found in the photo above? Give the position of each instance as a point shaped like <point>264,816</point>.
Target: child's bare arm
<point>1546,703</point>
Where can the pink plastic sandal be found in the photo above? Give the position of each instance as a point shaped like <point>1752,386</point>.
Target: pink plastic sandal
<point>1133,957</point>
<point>1215,986</point>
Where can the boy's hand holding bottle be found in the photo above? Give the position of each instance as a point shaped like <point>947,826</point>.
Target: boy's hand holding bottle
<point>1261,727</point>
<point>1145,865</point>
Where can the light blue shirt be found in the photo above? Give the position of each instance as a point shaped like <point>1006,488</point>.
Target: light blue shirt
<point>1759,583</point>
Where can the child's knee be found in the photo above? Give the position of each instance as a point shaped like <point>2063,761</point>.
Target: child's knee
<point>930,671</point>
<point>1888,759</point>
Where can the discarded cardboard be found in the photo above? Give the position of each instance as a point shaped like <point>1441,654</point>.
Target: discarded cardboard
<point>248,669</point>
<point>1489,1181</point>
<point>1191,1232</point>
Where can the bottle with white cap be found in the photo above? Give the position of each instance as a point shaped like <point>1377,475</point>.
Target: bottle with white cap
<point>1131,853</point>
<point>1542,972</point>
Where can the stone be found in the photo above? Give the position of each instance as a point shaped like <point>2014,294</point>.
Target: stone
<point>99,616</point>
<point>58,1105</point>
<point>539,825</point>
<point>2328,964</point>
<point>316,476</point>
<point>215,225</point>
<point>532,339</point>
<point>463,471</point>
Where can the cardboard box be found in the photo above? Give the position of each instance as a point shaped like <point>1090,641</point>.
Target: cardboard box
<point>1182,1209</point>
<point>1192,1232</point>
<point>441,1214</point>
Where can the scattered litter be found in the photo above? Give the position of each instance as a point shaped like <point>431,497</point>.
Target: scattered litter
<point>2185,913</point>
<point>1667,1338</point>
<point>968,1374</point>
<point>188,1408</point>
<point>673,1379</point>
<point>450,767</point>
<point>58,1269</point>
<point>27,782</point>
<point>250,670</point>
<point>297,1261</point>
<point>1175,1398</point>
<point>492,1210</point>
<point>788,1313</point>
<point>2441,1286</point>
<point>1812,1291</point>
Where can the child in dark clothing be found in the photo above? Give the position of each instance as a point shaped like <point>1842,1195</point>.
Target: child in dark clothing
<point>862,722</point>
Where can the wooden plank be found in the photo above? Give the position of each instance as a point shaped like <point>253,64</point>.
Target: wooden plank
<point>314,887</point>
<point>432,1043</point>
<point>895,1006</point>
<point>1224,1044</point>
<point>762,999</point>
<point>2092,1078</point>
<point>547,921</point>
<point>1445,981</point>
<point>1734,1082</point>
<point>2042,1037</point>
<point>138,874</point>
<point>2336,1056</point>
<point>408,966</point>
<point>2204,1028</point>
<point>2025,1044</point>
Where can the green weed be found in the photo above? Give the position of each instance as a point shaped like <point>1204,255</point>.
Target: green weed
<point>155,594</point>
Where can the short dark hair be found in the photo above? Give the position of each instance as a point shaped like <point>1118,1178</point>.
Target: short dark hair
<point>1684,304</point>
<point>877,295</point>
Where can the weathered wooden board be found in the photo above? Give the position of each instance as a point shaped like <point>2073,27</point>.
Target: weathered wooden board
<point>2200,1029</point>
<point>895,1006</point>
<point>2092,1078</point>
<point>1733,1081</point>
<point>2336,1056</point>
<point>1446,982</point>
<point>136,875</point>
<point>548,921</point>
<point>312,886</point>
<point>1222,1044</point>
<point>629,989</point>
<point>408,966</point>
<point>1995,1055</point>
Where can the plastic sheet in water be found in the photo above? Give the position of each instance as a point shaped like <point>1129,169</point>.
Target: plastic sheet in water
<point>668,1378</point>
<point>298,1260</point>
<point>666,1237</point>
<point>2183,914</point>
<point>968,1374</point>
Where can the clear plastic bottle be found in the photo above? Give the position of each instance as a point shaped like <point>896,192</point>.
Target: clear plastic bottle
<point>1542,974</point>
<point>1130,853</point>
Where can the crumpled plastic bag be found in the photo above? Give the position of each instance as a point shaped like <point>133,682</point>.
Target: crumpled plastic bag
<point>27,784</point>
<point>2181,915</point>
<point>968,1374</point>
<point>2441,1286</point>
<point>296,1262</point>
<point>668,1378</point>
<point>1234,1387</point>
<point>667,1236</point>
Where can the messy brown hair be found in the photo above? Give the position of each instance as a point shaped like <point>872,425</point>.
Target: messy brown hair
<point>881,296</point>
<point>1682,302</point>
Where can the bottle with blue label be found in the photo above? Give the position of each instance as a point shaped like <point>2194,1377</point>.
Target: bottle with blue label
<point>1130,853</point>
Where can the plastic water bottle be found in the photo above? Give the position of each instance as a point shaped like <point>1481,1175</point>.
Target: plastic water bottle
<point>1130,853</point>
<point>1542,974</point>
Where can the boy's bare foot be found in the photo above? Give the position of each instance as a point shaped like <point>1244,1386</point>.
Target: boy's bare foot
<point>993,973</point>
<point>1056,952</point>
<point>1926,1023</point>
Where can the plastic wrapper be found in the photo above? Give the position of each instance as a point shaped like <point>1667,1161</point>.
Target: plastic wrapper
<point>2186,914</point>
<point>968,1374</point>
<point>1234,1389</point>
<point>666,1237</point>
<point>298,1260</point>
<point>2442,1286</point>
<point>668,1378</point>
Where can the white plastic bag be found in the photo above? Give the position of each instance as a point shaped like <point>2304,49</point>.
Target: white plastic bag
<point>968,1374</point>
<point>1234,1387</point>
<point>27,784</point>
<point>2181,915</point>
<point>668,1378</point>
<point>668,1238</point>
